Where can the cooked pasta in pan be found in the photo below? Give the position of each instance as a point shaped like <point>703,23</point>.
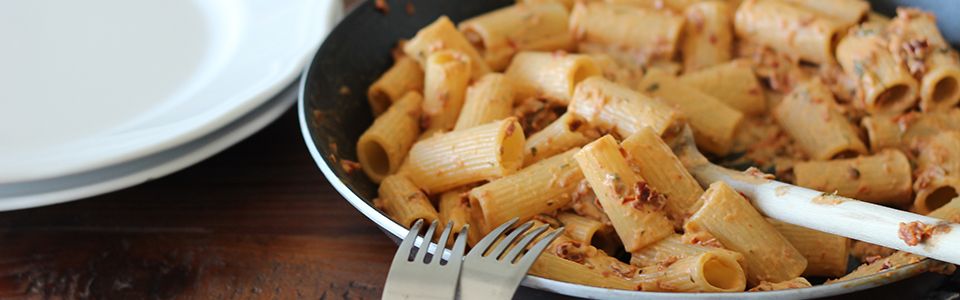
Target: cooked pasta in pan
<point>563,113</point>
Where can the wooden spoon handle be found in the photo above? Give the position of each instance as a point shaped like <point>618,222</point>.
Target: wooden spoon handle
<point>839,215</point>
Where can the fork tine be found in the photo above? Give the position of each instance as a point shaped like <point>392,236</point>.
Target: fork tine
<point>425,244</point>
<point>502,246</point>
<point>482,245</point>
<point>441,243</point>
<point>404,251</point>
<point>459,245</point>
<point>522,244</point>
<point>527,260</point>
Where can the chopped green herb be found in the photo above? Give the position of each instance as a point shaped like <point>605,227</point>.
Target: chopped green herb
<point>533,150</point>
<point>858,68</point>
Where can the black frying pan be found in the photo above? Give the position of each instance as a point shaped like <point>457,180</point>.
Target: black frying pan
<point>334,111</point>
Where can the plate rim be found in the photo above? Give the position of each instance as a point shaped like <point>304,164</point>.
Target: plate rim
<point>250,99</point>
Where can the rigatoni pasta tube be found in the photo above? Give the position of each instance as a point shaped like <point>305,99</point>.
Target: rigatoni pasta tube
<point>885,84</point>
<point>448,160</point>
<point>634,209</point>
<point>676,5</point>
<point>788,28</point>
<point>454,207</point>
<point>704,272</point>
<point>938,171</point>
<point>487,100</point>
<point>447,74</point>
<point>557,268</point>
<point>882,131</point>
<point>501,33</point>
<point>940,84</point>
<point>673,248</point>
<point>809,114</point>
<point>882,178</point>
<point>707,35</point>
<point>714,123</point>
<point>655,162</point>
<point>539,188</point>
<point>579,228</point>
<point>551,75</point>
<point>648,34</point>
<point>730,218</point>
<point>734,83</point>
<point>568,4</point>
<point>573,261</point>
<point>561,135</point>
<point>382,148</point>
<point>404,202</point>
<point>404,76</point>
<point>845,12</point>
<point>826,254</point>
<point>442,35</point>
<point>610,106</point>
<point>928,55</point>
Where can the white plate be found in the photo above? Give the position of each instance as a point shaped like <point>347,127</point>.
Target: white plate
<point>89,84</point>
<point>86,184</point>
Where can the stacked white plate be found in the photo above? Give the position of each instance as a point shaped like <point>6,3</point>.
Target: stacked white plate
<point>100,95</point>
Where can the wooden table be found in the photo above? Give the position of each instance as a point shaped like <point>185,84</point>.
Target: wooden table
<point>257,221</point>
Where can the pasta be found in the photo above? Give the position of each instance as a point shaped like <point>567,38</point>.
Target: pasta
<point>846,12</point>
<point>610,106</point>
<point>500,34</point>
<point>550,75</point>
<point>447,74</point>
<point>489,99</point>
<point>384,145</point>
<point>404,76</point>
<point>565,113</point>
<point>674,248</point>
<point>449,160</point>
<point>884,178</point>
<point>826,254</point>
<point>633,207</point>
<point>788,28</point>
<point>653,160</point>
<point>443,35</point>
<point>886,85</point>
<point>768,256</point>
<point>734,83</point>
<point>714,123</point>
<point>626,31</point>
<point>938,169</point>
<point>931,58</point>
<point>539,188</point>
<point>708,35</point>
<point>831,136</point>
<point>562,134</point>
<point>404,201</point>
<point>704,272</point>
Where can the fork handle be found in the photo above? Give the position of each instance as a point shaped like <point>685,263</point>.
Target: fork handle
<point>837,215</point>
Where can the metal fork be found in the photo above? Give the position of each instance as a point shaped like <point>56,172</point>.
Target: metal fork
<point>421,278</point>
<point>495,276</point>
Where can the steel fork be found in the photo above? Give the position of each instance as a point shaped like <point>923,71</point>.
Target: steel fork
<point>423,277</point>
<point>491,275</point>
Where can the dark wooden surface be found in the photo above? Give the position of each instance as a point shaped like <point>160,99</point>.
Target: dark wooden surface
<point>257,221</point>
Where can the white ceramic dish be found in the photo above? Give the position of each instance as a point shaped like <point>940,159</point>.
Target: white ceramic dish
<point>51,191</point>
<point>86,85</point>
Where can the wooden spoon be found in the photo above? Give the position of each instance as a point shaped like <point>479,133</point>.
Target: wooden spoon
<point>825,212</point>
